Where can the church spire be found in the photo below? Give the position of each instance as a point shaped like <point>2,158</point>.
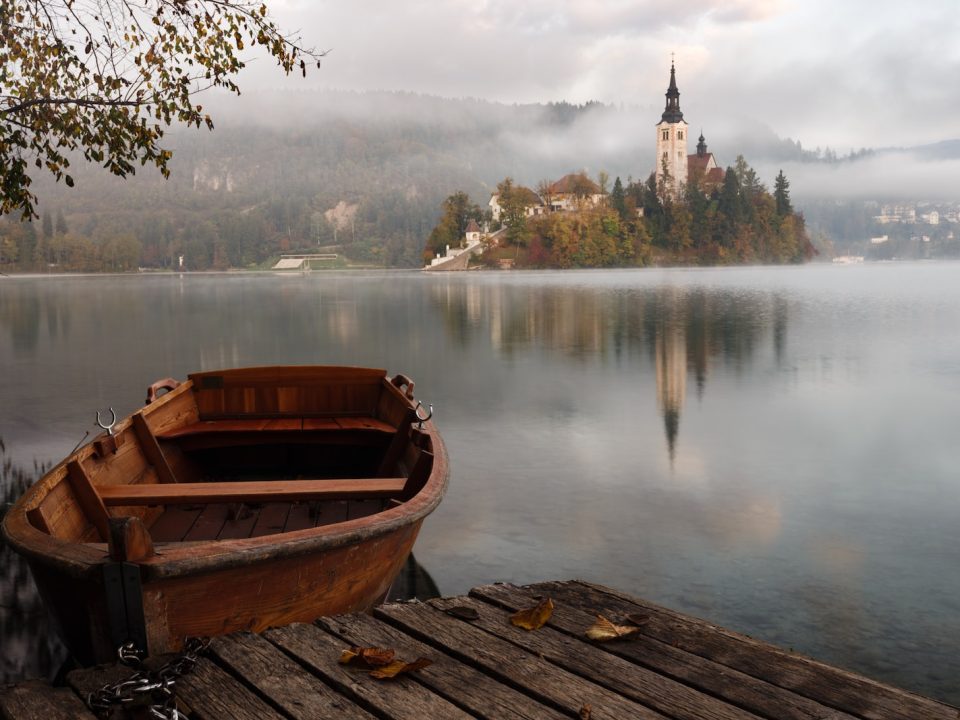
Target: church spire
<point>671,113</point>
<point>701,146</point>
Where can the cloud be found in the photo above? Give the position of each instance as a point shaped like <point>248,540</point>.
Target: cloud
<point>891,176</point>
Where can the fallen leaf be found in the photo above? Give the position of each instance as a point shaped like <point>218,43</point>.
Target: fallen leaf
<point>399,667</point>
<point>369,656</point>
<point>463,612</point>
<point>603,630</point>
<point>585,712</point>
<point>535,617</point>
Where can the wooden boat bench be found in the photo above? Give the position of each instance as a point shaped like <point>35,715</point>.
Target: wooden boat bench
<point>251,491</point>
<point>347,430</point>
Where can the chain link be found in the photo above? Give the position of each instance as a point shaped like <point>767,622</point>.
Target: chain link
<point>151,690</point>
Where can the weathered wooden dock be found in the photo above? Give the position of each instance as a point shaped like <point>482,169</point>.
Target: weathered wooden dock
<point>675,667</point>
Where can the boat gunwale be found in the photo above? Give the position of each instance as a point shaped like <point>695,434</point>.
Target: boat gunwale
<point>79,559</point>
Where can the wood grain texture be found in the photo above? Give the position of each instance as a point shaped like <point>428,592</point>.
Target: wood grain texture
<point>88,499</point>
<point>592,663</point>
<point>251,491</point>
<point>572,617</point>
<point>405,699</point>
<point>297,692</point>
<point>511,664</point>
<point>839,689</point>
<point>212,694</point>
<point>461,684</point>
<point>151,449</point>
<point>37,700</point>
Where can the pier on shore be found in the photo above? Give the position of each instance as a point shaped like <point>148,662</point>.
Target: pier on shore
<point>483,666</point>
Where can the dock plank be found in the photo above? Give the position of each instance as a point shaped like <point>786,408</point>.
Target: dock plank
<point>757,696</point>
<point>402,700</point>
<point>511,664</point>
<point>212,694</point>
<point>593,663</point>
<point>675,667</point>
<point>298,693</point>
<point>461,684</point>
<point>851,693</point>
<point>38,700</point>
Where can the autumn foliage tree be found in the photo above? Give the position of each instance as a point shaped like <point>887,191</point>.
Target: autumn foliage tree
<point>103,78</point>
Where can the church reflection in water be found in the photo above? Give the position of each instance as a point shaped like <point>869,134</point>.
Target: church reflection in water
<point>673,334</point>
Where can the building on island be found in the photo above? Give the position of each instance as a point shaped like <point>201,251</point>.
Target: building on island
<point>572,192</point>
<point>532,203</point>
<point>675,167</point>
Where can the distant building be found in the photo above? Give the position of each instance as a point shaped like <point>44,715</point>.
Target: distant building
<point>675,167</point>
<point>573,192</point>
<point>532,204</point>
<point>473,232</point>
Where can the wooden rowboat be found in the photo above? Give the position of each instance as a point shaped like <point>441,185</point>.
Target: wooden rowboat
<point>240,499</point>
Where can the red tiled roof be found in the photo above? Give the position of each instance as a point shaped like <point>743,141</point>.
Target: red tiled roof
<point>472,226</point>
<point>569,184</point>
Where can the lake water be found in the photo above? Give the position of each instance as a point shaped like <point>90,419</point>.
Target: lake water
<point>774,449</point>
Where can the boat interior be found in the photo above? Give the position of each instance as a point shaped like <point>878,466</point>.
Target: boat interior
<point>242,454</point>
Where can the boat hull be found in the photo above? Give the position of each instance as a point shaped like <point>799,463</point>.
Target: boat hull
<point>104,586</point>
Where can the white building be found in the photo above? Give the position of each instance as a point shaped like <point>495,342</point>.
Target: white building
<point>672,139</point>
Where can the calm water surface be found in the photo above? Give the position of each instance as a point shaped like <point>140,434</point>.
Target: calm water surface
<point>773,449</point>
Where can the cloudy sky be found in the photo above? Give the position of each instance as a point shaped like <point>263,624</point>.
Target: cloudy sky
<point>838,73</point>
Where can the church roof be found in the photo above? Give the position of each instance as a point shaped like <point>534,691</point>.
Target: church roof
<point>472,226</point>
<point>706,166</point>
<point>671,113</point>
<point>700,162</point>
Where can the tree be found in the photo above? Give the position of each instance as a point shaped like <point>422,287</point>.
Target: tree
<point>451,229</point>
<point>781,193</point>
<point>618,199</point>
<point>105,78</point>
<point>513,201</point>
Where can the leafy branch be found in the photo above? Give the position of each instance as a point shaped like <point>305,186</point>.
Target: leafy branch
<point>106,77</point>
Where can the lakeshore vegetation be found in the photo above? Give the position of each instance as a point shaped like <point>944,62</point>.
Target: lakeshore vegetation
<point>734,221</point>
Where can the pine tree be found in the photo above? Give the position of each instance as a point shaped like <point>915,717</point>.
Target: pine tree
<point>618,199</point>
<point>781,193</point>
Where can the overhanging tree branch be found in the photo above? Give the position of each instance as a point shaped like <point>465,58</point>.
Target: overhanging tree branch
<point>107,76</point>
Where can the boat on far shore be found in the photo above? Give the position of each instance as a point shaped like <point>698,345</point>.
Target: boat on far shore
<point>238,500</point>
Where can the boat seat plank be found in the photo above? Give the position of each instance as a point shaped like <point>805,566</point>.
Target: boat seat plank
<point>89,499</point>
<point>281,424</point>
<point>151,448</point>
<point>253,491</point>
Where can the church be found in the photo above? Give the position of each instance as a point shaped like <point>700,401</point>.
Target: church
<point>675,167</point>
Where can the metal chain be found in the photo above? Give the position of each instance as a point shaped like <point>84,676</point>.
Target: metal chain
<point>149,690</point>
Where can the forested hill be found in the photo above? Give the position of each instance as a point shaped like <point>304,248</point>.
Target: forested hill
<point>360,174</point>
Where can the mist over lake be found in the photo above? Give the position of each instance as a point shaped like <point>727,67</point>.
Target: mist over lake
<point>771,449</point>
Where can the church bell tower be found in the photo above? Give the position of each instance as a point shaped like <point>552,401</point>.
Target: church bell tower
<point>672,140</point>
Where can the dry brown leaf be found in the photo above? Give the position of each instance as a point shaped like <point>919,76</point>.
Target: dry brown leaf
<point>585,712</point>
<point>369,656</point>
<point>535,617</point>
<point>603,630</point>
<point>399,667</point>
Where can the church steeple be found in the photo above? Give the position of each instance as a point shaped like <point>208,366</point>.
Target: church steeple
<point>671,113</point>
<point>701,146</point>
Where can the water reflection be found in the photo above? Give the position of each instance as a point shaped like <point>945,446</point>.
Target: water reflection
<point>29,647</point>
<point>679,331</point>
<point>773,449</point>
